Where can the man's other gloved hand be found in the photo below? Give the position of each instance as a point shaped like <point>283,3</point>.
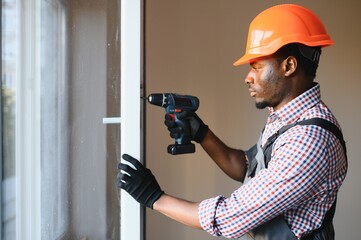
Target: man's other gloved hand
<point>197,126</point>
<point>140,183</point>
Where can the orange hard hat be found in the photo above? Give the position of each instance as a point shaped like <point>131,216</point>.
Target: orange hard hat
<point>280,25</point>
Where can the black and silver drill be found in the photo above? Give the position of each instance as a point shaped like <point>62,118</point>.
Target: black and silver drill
<point>176,103</point>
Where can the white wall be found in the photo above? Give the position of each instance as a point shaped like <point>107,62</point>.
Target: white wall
<point>190,48</point>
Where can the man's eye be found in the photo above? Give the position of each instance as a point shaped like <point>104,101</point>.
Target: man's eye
<point>255,67</point>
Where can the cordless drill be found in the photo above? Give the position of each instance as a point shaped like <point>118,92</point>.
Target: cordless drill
<point>175,103</point>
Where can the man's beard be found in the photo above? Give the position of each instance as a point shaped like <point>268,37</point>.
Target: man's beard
<point>262,105</point>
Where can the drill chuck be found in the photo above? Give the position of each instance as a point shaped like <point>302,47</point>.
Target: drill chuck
<point>157,99</point>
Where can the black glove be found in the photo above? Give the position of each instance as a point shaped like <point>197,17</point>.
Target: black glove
<point>197,126</point>
<point>141,184</point>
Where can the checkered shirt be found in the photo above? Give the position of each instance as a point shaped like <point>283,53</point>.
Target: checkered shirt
<point>306,169</point>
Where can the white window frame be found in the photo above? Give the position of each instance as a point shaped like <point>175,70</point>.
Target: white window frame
<point>131,126</point>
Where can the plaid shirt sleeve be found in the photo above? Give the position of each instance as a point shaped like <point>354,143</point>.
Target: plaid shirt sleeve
<point>297,173</point>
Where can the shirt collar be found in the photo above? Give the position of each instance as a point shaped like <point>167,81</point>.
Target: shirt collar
<point>294,109</point>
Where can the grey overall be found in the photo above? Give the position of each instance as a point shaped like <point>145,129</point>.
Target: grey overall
<point>277,228</point>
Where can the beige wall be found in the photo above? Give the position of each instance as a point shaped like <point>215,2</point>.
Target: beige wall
<point>190,48</point>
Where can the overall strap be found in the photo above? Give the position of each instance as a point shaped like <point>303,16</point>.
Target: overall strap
<point>328,126</point>
<point>267,148</point>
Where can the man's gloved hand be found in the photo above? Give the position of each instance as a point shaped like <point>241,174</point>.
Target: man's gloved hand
<point>140,183</point>
<point>197,126</point>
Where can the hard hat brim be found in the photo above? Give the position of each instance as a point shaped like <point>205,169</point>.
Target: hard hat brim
<point>263,52</point>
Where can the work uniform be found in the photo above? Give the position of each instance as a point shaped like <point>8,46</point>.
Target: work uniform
<point>300,183</point>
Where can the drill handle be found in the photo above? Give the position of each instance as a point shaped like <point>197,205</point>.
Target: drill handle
<point>185,136</point>
<point>183,142</point>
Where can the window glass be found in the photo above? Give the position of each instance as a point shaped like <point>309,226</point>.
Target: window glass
<point>79,86</point>
<point>80,61</point>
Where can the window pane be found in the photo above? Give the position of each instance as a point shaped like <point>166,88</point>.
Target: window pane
<point>80,80</point>
<point>80,62</point>
<point>79,85</point>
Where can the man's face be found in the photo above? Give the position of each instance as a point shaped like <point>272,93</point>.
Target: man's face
<point>267,83</point>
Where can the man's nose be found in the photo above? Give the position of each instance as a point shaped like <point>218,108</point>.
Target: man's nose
<point>249,78</point>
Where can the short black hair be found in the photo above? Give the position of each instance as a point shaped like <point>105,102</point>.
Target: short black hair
<point>307,57</point>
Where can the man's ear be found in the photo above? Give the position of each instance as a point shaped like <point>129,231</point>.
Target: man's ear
<point>289,66</point>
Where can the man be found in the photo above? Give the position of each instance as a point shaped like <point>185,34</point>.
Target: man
<point>292,175</point>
